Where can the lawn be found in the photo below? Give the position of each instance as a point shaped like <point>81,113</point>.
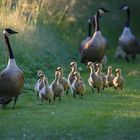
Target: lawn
<point>110,115</point>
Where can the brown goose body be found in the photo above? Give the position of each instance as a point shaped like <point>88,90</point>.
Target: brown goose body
<point>94,49</point>
<point>11,78</point>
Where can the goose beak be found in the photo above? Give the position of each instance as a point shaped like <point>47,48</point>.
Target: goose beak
<point>14,32</point>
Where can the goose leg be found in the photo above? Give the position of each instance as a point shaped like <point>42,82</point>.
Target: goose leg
<point>15,100</point>
<point>133,57</point>
<point>60,98</point>
<point>126,57</point>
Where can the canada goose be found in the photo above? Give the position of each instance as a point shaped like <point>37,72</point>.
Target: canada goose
<point>56,86</point>
<point>109,77</point>
<point>63,80</point>
<point>11,78</point>
<point>94,49</point>
<point>118,80</point>
<point>39,84</point>
<point>127,41</point>
<point>95,81</point>
<point>98,69</point>
<point>78,85</point>
<point>46,92</point>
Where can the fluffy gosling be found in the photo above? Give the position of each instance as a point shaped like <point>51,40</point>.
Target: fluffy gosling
<point>118,80</point>
<point>46,92</point>
<point>109,77</point>
<point>98,68</point>
<point>78,85</point>
<point>63,80</point>
<point>57,87</point>
<point>39,83</point>
<point>95,81</point>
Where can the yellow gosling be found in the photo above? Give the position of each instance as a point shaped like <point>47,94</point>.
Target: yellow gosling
<point>118,81</point>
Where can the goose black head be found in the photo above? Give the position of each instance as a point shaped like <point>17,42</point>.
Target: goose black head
<point>9,32</point>
<point>124,7</point>
<point>102,11</point>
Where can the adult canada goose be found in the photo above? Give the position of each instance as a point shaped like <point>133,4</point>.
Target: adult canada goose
<point>109,77</point>
<point>127,41</point>
<point>46,92</point>
<point>98,69</point>
<point>56,86</point>
<point>39,84</point>
<point>78,85</point>
<point>94,49</point>
<point>118,80</point>
<point>63,80</point>
<point>95,81</point>
<point>11,78</point>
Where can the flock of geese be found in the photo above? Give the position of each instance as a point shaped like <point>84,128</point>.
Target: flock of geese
<point>75,83</point>
<point>93,48</point>
<point>92,52</point>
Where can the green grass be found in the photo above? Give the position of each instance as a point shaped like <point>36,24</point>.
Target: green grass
<point>110,115</point>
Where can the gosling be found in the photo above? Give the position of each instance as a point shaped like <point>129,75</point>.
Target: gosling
<point>109,77</point>
<point>95,81</point>
<point>56,86</point>
<point>98,69</point>
<point>118,81</point>
<point>46,92</point>
<point>39,83</point>
<point>63,80</point>
<point>78,85</point>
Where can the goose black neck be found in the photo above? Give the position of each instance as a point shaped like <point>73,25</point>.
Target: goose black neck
<point>89,29</point>
<point>97,28</point>
<point>10,52</point>
<point>128,18</point>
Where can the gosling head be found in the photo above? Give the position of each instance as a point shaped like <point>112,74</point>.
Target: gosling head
<point>41,75</point>
<point>76,74</point>
<point>118,71</point>
<point>59,69</point>
<point>39,72</point>
<point>57,73</point>
<point>73,65</point>
<point>90,64</point>
<point>7,32</point>
<point>124,7</point>
<point>109,68</point>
